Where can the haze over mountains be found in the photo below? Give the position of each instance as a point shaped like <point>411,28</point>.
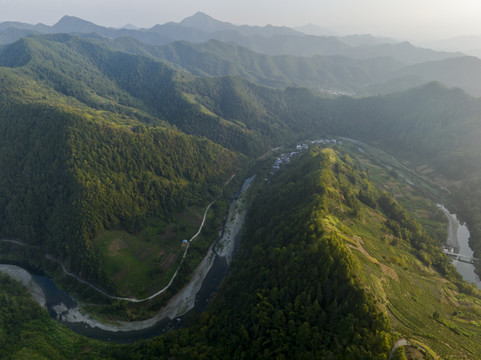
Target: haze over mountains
<point>276,56</point>
<point>117,145</point>
<point>270,40</point>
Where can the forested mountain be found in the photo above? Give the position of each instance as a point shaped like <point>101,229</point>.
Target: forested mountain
<point>208,24</point>
<point>103,135</point>
<point>105,80</point>
<point>91,79</point>
<point>300,296</point>
<point>273,56</point>
<point>463,72</point>
<point>329,267</point>
<point>404,52</point>
<point>268,40</point>
<point>214,58</point>
<point>77,157</point>
<point>331,74</point>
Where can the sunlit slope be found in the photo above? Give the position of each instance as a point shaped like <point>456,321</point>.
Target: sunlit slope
<point>78,156</point>
<point>62,68</point>
<point>431,128</point>
<point>130,97</point>
<point>331,265</point>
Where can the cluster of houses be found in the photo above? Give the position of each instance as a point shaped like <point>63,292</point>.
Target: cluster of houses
<point>286,158</point>
<point>283,159</point>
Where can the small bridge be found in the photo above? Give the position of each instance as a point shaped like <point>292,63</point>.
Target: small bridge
<point>460,257</point>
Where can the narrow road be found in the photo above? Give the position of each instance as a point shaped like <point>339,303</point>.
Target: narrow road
<point>18,242</point>
<point>135,300</point>
<point>267,153</point>
<point>397,344</point>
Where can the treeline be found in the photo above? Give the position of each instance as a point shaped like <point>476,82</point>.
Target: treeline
<point>292,292</point>
<point>295,290</point>
<point>431,125</point>
<point>28,332</point>
<point>66,177</point>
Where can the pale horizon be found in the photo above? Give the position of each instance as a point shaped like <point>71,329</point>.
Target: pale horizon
<point>403,20</point>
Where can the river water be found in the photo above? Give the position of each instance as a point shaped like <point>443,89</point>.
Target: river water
<point>458,238</point>
<point>65,309</point>
<point>58,302</point>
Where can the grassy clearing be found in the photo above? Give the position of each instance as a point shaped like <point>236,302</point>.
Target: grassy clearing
<point>140,264</point>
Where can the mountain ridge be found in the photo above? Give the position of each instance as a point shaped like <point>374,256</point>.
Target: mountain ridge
<point>271,40</point>
<point>95,140</point>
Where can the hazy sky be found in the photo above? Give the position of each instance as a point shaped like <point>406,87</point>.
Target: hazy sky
<point>404,19</point>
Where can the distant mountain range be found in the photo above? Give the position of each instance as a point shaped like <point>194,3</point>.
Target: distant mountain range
<point>333,74</point>
<point>269,40</point>
<point>469,44</point>
<point>118,139</point>
<point>276,56</point>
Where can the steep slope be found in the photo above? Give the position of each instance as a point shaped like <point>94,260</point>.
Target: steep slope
<point>215,58</point>
<point>268,40</point>
<point>430,126</point>
<point>88,143</point>
<point>332,74</point>
<point>114,81</point>
<point>317,254</point>
<point>43,337</point>
<point>72,24</point>
<point>61,69</point>
<point>404,52</point>
<point>463,72</point>
<point>206,23</point>
<point>330,267</point>
<point>71,170</point>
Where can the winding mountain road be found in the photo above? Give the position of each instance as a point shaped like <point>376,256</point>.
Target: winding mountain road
<point>135,300</point>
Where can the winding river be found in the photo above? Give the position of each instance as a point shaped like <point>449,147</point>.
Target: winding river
<point>195,295</point>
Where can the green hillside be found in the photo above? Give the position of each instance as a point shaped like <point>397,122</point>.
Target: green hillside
<point>431,128</point>
<point>108,160</point>
<point>139,99</point>
<point>330,266</point>
<point>215,58</point>
<point>78,157</point>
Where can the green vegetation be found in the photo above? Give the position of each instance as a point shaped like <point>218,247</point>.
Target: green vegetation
<point>27,331</point>
<point>109,159</point>
<point>71,171</point>
<point>215,58</point>
<point>317,263</point>
<point>322,273</point>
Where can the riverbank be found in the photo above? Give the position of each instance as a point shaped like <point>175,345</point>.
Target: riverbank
<point>178,305</point>
<point>458,241</point>
<point>452,240</point>
<point>225,246</point>
<point>24,277</point>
